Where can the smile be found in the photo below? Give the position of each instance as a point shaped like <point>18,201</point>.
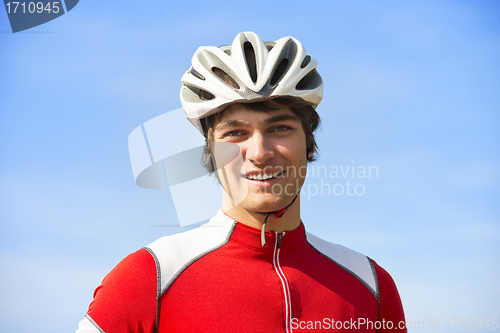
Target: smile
<point>264,176</point>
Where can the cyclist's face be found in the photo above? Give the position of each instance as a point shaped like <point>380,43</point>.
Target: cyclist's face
<point>273,161</point>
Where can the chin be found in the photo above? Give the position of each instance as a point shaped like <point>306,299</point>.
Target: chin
<point>262,205</point>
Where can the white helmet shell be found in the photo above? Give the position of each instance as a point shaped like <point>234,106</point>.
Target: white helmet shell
<point>248,70</point>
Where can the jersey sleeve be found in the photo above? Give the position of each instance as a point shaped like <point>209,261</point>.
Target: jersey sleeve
<point>391,309</point>
<point>126,301</point>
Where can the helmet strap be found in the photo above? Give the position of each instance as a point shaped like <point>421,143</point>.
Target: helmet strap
<point>277,214</point>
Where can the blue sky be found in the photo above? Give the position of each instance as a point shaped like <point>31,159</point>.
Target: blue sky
<point>410,87</point>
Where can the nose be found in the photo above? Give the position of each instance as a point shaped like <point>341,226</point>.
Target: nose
<point>259,149</point>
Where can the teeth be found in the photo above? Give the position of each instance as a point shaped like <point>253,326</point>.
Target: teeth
<point>264,176</point>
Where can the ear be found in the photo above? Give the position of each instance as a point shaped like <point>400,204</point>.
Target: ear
<point>310,154</point>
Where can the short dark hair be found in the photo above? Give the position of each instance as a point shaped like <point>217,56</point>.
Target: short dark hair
<point>309,119</point>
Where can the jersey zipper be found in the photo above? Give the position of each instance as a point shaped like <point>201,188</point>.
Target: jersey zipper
<point>284,281</point>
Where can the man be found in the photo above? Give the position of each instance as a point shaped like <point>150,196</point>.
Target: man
<point>252,268</point>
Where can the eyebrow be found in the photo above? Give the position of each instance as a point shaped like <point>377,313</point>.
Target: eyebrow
<point>241,123</point>
<point>231,123</point>
<point>280,117</point>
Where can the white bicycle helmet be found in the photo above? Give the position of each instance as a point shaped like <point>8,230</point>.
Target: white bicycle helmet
<point>248,70</point>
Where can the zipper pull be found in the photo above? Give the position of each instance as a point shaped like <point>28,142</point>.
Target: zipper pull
<point>280,237</point>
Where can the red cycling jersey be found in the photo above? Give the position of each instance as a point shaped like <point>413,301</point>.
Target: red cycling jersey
<point>219,278</point>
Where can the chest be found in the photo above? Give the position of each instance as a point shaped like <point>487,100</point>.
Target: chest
<point>262,292</point>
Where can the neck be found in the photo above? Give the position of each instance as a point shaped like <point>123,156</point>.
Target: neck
<point>289,221</point>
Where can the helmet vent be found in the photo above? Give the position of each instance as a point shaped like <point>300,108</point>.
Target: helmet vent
<point>250,58</point>
<point>196,74</point>
<point>270,45</point>
<point>205,95</point>
<point>280,70</point>
<point>311,81</point>
<point>226,49</point>
<point>193,93</point>
<point>225,77</point>
<point>306,61</point>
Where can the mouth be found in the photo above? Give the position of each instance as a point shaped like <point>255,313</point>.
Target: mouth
<point>265,176</point>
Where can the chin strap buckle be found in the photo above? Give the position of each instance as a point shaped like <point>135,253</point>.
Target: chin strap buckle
<point>279,213</point>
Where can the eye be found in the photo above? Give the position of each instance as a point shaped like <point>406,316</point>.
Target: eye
<point>281,128</point>
<point>233,134</point>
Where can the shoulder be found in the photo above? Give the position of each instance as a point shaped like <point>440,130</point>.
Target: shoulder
<point>130,275</point>
<point>173,253</point>
<point>365,269</point>
<point>391,307</point>
<point>128,291</point>
<point>132,289</point>
<point>357,264</point>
